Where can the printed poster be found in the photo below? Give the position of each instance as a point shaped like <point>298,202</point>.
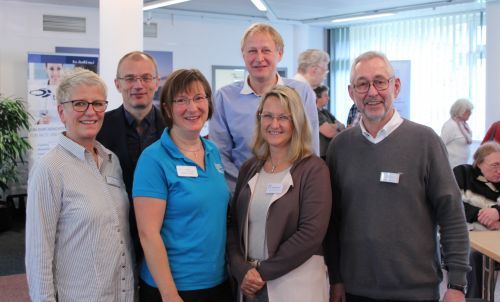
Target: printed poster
<point>44,74</point>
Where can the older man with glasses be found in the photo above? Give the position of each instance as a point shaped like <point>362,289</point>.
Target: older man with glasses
<point>392,188</point>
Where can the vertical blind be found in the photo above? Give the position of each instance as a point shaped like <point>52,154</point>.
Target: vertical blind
<point>447,55</point>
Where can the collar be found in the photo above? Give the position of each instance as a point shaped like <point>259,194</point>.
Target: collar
<point>149,118</point>
<point>248,90</point>
<point>388,128</point>
<point>483,179</point>
<point>79,151</point>
<point>299,77</point>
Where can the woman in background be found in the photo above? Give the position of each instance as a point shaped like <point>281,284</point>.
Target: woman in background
<point>181,199</point>
<point>281,208</point>
<point>329,126</point>
<point>493,133</point>
<point>77,234</point>
<point>456,134</point>
<point>480,188</point>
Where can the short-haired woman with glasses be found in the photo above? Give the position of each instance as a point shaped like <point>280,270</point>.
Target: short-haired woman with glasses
<point>77,233</point>
<point>281,208</point>
<point>181,199</point>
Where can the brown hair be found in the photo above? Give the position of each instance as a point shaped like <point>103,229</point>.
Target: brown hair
<point>180,81</point>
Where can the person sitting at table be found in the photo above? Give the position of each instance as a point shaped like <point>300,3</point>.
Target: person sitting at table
<point>480,186</point>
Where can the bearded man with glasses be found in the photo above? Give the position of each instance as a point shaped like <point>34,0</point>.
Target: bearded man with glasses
<point>392,188</point>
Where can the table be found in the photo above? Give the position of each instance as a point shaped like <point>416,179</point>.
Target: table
<point>488,244</point>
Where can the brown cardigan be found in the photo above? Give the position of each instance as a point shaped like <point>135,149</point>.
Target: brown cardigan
<point>296,222</point>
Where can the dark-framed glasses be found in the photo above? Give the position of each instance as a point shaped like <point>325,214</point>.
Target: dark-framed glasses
<point>362,86</point>
<point>184,101</point>
<point>131,79</point>
<point>82,106</point>
<point>269,117</point>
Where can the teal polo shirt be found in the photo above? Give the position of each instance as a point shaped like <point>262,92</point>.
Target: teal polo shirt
<point>194,224</point>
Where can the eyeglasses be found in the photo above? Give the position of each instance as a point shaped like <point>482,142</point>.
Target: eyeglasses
<point>493,166</point>
<point>269,117</point>
<point>184,101</point>
<point>82,106</point>
<point>363,86</point>
<point>131,79</point>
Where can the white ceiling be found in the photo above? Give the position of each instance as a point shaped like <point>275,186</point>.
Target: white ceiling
<point>314,12</point>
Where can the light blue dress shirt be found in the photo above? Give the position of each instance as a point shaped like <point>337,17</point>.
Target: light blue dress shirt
<point>233,122</point>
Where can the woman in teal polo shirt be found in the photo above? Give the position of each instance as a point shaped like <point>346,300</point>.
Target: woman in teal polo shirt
<point>180,200</point>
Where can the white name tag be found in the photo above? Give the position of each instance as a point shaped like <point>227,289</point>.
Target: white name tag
<point>110,180</point>
<point>187,171</point>
<point>274,188</point>
<point>389,177</point>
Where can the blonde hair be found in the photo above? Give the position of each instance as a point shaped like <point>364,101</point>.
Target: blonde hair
<point>300,142</point>
<point>485,150</point>
<point>76,77</point>
<point>264,28</point>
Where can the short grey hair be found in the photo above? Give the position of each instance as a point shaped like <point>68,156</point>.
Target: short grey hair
<point>312,57</point>
<point>368,56</point>
<point>76,77</point>
<point>460,107</point>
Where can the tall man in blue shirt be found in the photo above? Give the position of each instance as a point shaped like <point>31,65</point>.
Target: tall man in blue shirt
<point>233,120</point>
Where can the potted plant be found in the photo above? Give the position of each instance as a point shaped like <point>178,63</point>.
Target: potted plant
<point>13,147</point>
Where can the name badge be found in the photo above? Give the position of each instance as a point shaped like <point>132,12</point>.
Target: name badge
<point>274,188</point>
<point>110,180</point>
<point>187,171</point>
<point>389,177</point>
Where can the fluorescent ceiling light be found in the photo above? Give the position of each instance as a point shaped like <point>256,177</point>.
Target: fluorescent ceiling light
<point>362,17</point>
<point>161,3</point>
<point>259,5</point>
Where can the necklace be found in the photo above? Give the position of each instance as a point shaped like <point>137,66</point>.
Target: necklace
<point>273,166</point>
<point>200,148</point>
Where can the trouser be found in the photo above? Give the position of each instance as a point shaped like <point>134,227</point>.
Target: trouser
<point>219,293</point>
<point>353,298</point>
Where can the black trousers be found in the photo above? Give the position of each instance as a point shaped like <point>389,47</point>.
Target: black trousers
<point>353,298</point>
<point>219,293</point>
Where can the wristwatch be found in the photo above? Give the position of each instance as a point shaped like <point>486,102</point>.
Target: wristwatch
<point>462,288</point>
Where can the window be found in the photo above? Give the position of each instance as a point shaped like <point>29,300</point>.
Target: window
<point>447,55</point>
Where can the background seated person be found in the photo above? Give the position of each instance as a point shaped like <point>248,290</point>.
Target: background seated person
<point>480,186</point>
<point>329,126</point>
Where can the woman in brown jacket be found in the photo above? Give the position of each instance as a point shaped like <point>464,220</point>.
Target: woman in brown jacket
<point>281,208</point>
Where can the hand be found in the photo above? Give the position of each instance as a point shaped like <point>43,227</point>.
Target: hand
<point>495,225</point>
<point>487,216</point>
<point>337,292</point>
<point>174,297</point>
<point>453,295</point>
<point>252,283</point>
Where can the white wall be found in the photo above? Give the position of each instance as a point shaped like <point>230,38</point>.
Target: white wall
<point>196,41</point>
<point>492,63</point>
